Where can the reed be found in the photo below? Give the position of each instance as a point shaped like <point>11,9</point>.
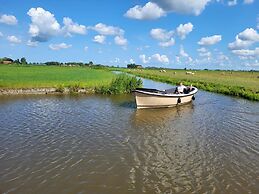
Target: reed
<point>121,84</point>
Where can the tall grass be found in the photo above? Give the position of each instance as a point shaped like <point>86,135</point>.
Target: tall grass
<point>121,84</point>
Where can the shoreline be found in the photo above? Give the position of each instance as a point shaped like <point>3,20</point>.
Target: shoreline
<point>42,91</point>
<point>234,91</point>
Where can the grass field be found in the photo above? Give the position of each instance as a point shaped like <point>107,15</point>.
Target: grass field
<point>17,76</point>
<point>235,83</point>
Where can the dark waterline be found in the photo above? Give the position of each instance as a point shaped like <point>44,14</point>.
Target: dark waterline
<point>102,144</point>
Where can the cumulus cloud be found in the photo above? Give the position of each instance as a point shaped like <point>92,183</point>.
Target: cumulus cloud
<point>119,40</point>
<point>249,34</point>
<point>150,11</point>
<point>183,56</point>
<point>210,40</point>
<point>169,43</point>
<point>72,27</point>
<point>160,58</point>
<point>14,39</point>
<point>184,29</point>
<point>99,39</point>
<point>104,29</point>
<point>161,34</point>
<point>59,46</point>
<point>244,39</point>
<point>43,24</point>
<point>247,52</point>
<point>8,19</point>
<point>32,43</point>
<point>144,59</point>
<point>183,7</point>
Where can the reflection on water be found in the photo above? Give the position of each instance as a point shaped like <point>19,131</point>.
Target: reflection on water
<point>102,144</point>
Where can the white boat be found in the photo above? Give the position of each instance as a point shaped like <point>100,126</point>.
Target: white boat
<point>152,98</point>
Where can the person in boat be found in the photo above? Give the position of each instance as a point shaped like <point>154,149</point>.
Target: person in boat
<point>180,89</point>
<point>188,89</point>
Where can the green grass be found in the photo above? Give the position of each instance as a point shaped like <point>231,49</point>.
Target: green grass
<point>122,84</point>
<point>17,76</point>
<point>235,83</point>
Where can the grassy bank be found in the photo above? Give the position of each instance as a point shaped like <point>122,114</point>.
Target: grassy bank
<point>235,83</point>
<point>17,76</point>
<point>32,79</point>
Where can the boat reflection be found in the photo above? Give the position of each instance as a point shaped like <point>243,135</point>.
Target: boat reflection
<point>160,116</point>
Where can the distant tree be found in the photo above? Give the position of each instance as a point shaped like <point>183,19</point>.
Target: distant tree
<point>17,61</point>
<point>90,63</point>
<point>133,65</point>
<point>23,60</point>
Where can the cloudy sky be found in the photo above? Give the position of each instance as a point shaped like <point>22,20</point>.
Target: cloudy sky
<point>214,34</point>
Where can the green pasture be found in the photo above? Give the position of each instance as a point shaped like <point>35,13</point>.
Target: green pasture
<point>19,76</point>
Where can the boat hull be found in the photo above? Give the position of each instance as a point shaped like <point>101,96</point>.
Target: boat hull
<point>154,100</point>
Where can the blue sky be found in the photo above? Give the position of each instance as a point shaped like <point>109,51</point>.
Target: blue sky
<point>212,34</point>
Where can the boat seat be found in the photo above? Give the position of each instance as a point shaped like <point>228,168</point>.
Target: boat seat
<point>170,91</point>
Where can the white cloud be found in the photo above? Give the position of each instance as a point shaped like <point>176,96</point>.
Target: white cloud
<point>249,34</point>
<point>160,58</point>
<point>182,52</point>
<point>32,43</point>
<point>210,40</point>
<point>247,52</point>
<point>86,48</point>
<point>120,40</point>
<point>99,39</point>
<point>161,34</point>
<point>239,44</point>
<point>131,61</point>
<point>194,7</point>
<point>107,30</point>
<point>1,34</point>
<point>244,39</point>
<point>168,43</point>
<point>144,59</point>
<point>183,56</point>
<point>71,27</point>
<point>8,19</point>
<point>43,24</point>
<point>14,39</point>
<point>148,12</point>
<point>248,1</point>
<point>59,46</point>
<point>184,29</point>
<point>232,3</point>
<point>202,50</point>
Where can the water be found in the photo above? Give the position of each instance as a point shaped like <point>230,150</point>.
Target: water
<point>102,144</point>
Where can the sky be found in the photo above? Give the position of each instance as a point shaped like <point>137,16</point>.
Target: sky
<point>197,34</point>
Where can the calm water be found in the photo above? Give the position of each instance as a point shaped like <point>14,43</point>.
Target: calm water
<point>100,144</point>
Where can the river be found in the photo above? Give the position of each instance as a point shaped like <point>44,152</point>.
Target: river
<point>102,144</point>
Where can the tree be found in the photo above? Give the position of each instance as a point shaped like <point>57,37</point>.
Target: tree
<point>17,61</point>
<point>23,60</point>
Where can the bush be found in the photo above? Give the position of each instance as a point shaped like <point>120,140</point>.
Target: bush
<point>74,88</point>
<point>60,88</point>
<point>121,84</point>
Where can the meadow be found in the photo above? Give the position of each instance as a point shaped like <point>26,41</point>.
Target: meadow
<point>20,76</point>
<point>235,83</point>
